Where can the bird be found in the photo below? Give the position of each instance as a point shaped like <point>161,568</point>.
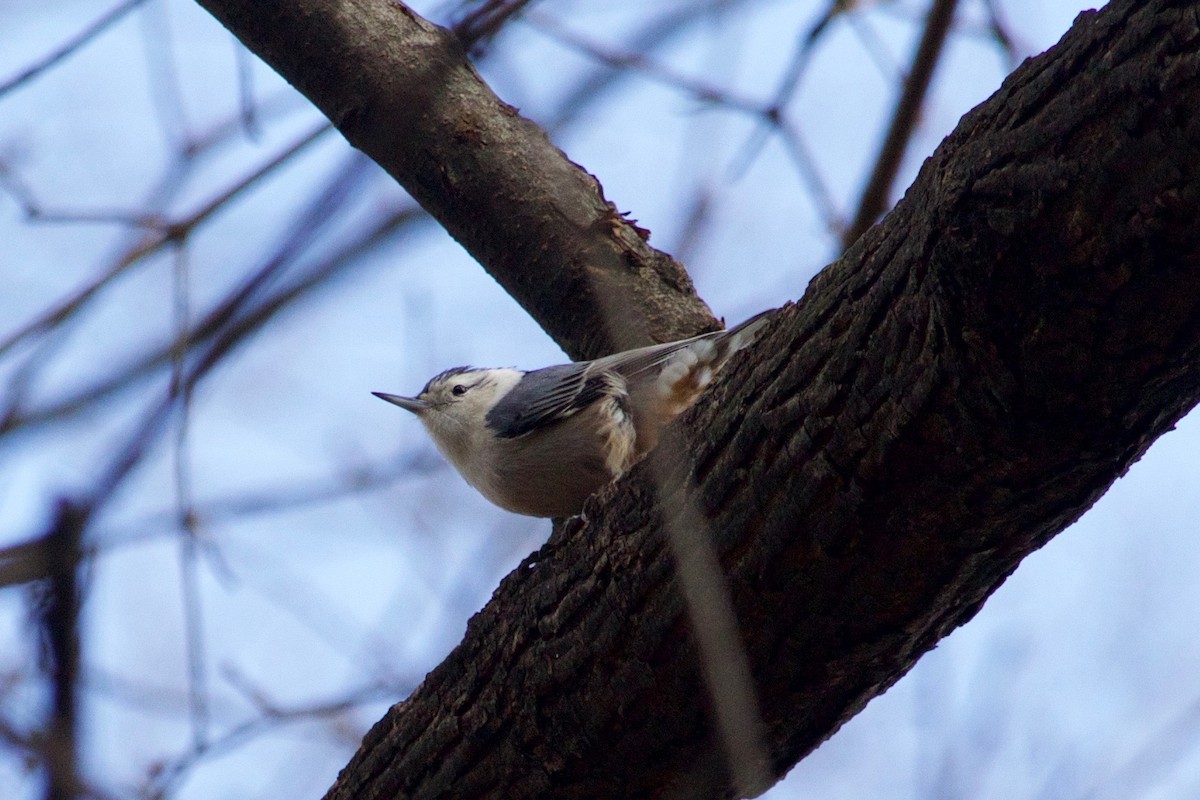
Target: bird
<point>540,442</point>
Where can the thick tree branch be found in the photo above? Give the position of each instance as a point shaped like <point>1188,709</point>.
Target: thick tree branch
<point>959,388</point>
<point>401,90</point>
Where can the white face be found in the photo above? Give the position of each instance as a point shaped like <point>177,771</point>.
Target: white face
<point>458,403</point>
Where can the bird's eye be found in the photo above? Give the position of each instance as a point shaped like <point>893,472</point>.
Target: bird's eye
<point>459,390</point>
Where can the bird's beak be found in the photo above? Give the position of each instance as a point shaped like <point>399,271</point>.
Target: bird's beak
<point>413,404</point>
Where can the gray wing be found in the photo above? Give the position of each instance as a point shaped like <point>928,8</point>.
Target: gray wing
<point>547,395</point>
<point>633,363</point>
<point>553,393</point>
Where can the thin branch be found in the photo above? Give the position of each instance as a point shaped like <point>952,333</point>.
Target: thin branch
<point>655,35</point>
<point>248,108</point>
<point>193,617</point>
<point>904,119</point>
<point>65,50</point>
<point>270,717</point>
<point>1000,33</point>
<point>166,92</point>
<point>711,95</point>
<point>281,499</point>
<point>25,562</point>
<point>485,22</point>
<point>788,84</point>
<point>61,624</point>
<point>723,657</point>
<point>227,340</point>
<point>166,233</point>
<point>320,213</point>
<point>632,60</point>
<point>647,67</point>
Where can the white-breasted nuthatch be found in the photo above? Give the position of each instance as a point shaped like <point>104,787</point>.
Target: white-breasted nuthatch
<point>540,442</point>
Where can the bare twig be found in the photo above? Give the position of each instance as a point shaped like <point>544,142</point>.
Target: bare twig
<point>60,621</point>
<point>193,617</point>
<point>774,121</point>
<point>485,22</point>
<point>711,95</point>
<point>166,90</point>
<point>69,47</point>
<point>904,119</point>
<point>1000,33</point>
<point>645,66</point>
<point>166,233</point>
<point>660,32</point>
<point>723,659</point>
<point>240,307</point>
<point>248,108</point>
<point>269,718</point>
<point>25,562</point>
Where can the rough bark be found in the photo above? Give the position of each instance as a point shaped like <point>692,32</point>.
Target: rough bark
<point>956,390</point>
<point>401,90</point>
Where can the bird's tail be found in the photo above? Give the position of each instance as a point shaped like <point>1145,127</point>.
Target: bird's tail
<point>688,370</point>
<point>741,335</point>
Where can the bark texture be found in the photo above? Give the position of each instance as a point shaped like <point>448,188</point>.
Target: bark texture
<point>956,390</point>
<point>401,90</point>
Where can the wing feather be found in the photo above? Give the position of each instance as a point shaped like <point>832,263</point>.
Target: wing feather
<point>632,363</point>
<point>546,395</point>
<point>557,392</point>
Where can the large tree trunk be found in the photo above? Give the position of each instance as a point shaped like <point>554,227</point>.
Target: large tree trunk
<point>957,389</point>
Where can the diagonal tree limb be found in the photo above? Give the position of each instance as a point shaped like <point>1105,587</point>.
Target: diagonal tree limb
<point>960,387</point>
<point>401,90</point>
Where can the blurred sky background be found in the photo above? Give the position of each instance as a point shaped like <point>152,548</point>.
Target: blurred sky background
<point>328,558</point>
